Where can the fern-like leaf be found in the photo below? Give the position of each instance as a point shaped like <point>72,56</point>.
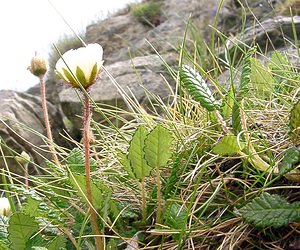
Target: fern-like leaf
<point>246,74</point>
<point>270,211</point>
<point>197,88</point>
<point>241,92</point>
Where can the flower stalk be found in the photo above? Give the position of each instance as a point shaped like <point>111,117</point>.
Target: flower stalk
<point>80,69</point>
<point>47,122</point>
<point>86,143</point>
<point>38,67</point>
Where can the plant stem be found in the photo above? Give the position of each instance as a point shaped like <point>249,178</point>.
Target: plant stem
<point>144,212</point>
<point>46,119</point>
<point>86,142</point>
<point>158,212</point>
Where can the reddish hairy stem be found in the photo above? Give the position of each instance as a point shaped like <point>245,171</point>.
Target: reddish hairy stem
<point>86,143</point>
<point>46,119</point>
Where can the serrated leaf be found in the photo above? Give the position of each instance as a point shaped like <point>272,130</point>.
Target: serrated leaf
<point>21,228</point>
<point>158,147</point>
<point>291,157</point>
<point>175,216</point>
<point>36,243</point>
<point>246,74</point>
<point>32,207</point>
<point>295,120</point>
<point>79,184</point>
<point>236,118</point>
<point>58,243</point>
<point>261,78</point>
<point>243,89</point>
<point>270,211</point>
<point>76,162</point>
<point>123,159</point>
<point>228,145</point>
<point>136,154</point>
<point>197,88</point>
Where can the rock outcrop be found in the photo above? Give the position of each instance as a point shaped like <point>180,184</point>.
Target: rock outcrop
<point>22,128</point>
<point>130,58</point>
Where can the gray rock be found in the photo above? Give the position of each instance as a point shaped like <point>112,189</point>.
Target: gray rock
<point>22,127</point>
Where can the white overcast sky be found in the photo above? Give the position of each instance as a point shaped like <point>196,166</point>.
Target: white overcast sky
<point>33,25</point>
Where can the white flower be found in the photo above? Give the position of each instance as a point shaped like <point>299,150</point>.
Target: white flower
<point>4,206</point>
<point>84,63</point>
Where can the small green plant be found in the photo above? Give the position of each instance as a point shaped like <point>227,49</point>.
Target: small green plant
<point>148,151</point>
<point>148,13</point>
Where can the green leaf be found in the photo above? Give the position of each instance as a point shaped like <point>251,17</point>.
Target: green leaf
<point>175,216</point>
<point>136,154</point>
<point>261,79</point>
<point>37,243</point>
<point>246,75</point>
<point>295,121</point>
<point>228,145</point>
<point>31,207</point>
<point>291,157</point>
<point>158,147</point>
<point>197,88</point>
<point>173,176</point>
<point>58,243</point>
<point>98,189</point>
<point>123,159</point>
<point>283,73</point>
<point>236,118</point>
<point>279,64</point>
<point>3,246</point>
<point>76,161</point>
<point>21,228</point>
<point>270,211</point>
<point>242,91</point>
<point>228,103</point>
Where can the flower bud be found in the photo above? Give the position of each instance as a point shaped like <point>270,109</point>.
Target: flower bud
<point>38,66</point>
<point>4,207</point>
<point>80,66</point>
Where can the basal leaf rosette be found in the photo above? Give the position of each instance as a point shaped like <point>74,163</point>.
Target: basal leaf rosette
<point>80,66</point>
